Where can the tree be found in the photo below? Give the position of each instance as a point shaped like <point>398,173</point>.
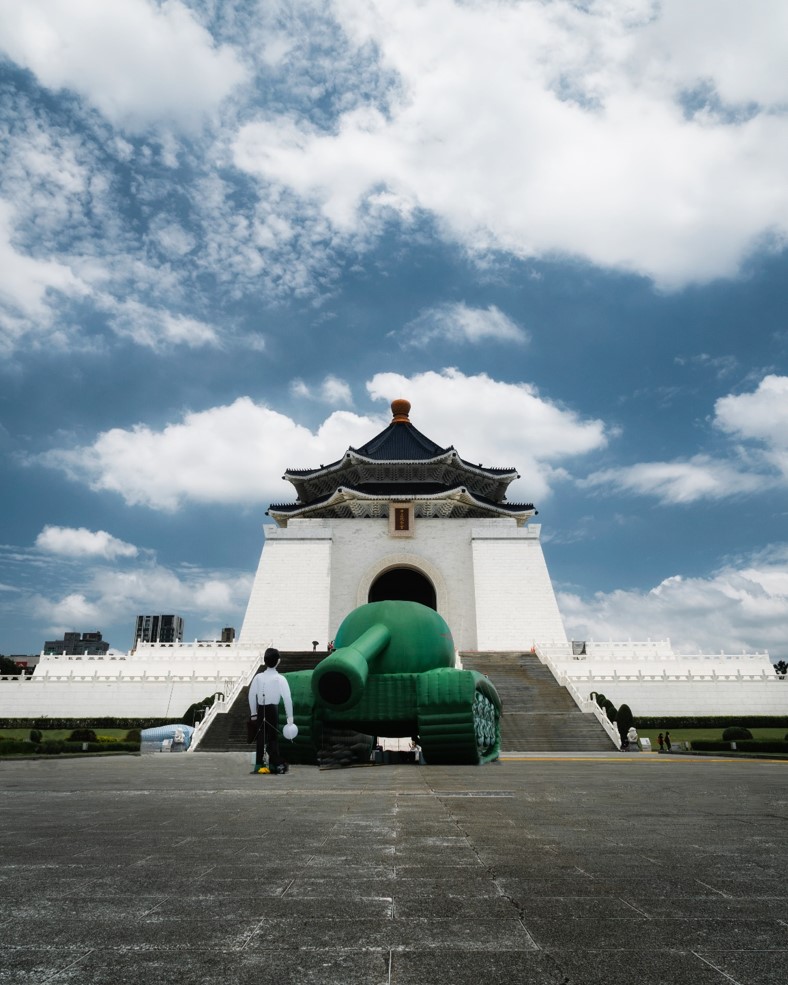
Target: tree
<point>7,666</point>
<point>781,668</point>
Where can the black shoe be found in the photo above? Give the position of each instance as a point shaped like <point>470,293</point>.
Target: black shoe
<point>280,769</point>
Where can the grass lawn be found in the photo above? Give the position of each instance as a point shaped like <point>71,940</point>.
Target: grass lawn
<point>688,734</point>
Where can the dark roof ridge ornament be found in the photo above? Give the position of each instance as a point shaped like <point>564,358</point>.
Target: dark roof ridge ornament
<point>400,408</point>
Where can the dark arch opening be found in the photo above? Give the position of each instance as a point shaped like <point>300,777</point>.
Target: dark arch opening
<point>405,584</point>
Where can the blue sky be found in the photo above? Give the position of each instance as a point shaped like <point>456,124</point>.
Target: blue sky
<point>231,233</point>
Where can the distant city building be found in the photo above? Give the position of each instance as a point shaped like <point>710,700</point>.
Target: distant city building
<point>75,644</point>
<point>228,634</point>
<point>27,661</point>
<point>158,629</point>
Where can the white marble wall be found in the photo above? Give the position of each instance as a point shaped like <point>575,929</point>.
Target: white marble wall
<point>491,581</point>
<point>515,602</point>
<point>289,603</point>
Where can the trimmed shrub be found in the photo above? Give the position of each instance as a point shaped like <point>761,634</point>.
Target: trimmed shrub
<point>624,720</point>
<point>610,710</point>
<point>197,710</point>
<point>82,735</point>
<point>762,745</point>
<point>134,735</point>
<point>35,735</point>
<point>52,747</point>
<point>736,732</point>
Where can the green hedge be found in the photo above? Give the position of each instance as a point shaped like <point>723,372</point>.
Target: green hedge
<point>53,747</point>
<point>742,745</point>
<point>94,723</point>
<point>762,745</point>
<point>16,747</point>
<point>98,746</point>
<point>710,721</point>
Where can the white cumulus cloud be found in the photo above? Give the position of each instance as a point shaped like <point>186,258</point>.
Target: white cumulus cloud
<point>237,453</point>
<point>758,462</point>
<point>229,454</point>
<point>761,416</point>
<point>139,62</point>
<point>63,614</point>
<point>27,285</point>
<point>115,596</point>
<point>459,323</point>
<point>494,423</point>
<point>157,328</point>
<point>332,390</point>
<point>79,542</point>
<point>740,607</point>
<point>614,132</point>
<point>701,477</point>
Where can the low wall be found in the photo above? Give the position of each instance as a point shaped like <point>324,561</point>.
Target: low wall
<point>155,659</point>
<point>652,680</point>
<point>675,665</point>
<point>692,695</point>
<point>92,697</point>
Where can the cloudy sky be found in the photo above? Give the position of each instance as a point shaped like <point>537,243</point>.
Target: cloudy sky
<point>232,232</point>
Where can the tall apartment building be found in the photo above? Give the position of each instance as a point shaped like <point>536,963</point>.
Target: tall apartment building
<point>158,629</point>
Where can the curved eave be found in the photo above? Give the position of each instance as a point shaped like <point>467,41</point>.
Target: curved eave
<point>282,512</point>
<point>446,457</point>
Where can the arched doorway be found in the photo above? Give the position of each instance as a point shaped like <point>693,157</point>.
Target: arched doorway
<point>405,584</point>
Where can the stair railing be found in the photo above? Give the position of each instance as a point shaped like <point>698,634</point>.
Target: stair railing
<point>586,705</point>
<point>224,702</point>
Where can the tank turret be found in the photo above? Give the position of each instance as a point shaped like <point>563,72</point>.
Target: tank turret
<point>387,637</point>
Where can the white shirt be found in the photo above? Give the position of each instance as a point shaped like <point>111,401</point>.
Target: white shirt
<point>269,688</point>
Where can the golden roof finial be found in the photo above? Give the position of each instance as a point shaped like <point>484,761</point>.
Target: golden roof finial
<point>400,409</point>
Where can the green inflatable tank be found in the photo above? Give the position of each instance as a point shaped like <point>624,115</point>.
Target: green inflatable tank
<point>393,674</point>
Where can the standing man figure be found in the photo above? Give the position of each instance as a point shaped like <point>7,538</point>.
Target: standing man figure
<point>265,693</point>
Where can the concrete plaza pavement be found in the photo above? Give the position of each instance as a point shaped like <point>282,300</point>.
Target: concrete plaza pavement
<point>627,870</point>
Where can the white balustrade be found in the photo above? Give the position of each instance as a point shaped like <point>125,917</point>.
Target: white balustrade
<point>222,705</point>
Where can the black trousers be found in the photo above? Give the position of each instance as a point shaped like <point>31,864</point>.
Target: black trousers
<point>268,734</point>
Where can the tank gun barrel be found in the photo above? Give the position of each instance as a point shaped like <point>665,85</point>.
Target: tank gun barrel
<point>339,680</point>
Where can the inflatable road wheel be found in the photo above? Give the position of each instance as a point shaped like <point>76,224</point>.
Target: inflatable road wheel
<point>486,726</point>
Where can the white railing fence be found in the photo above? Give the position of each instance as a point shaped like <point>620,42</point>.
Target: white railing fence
<point>586,705</point>
<point>224,703</point>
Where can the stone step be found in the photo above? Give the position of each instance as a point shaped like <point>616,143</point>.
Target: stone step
<point>538,714</point>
